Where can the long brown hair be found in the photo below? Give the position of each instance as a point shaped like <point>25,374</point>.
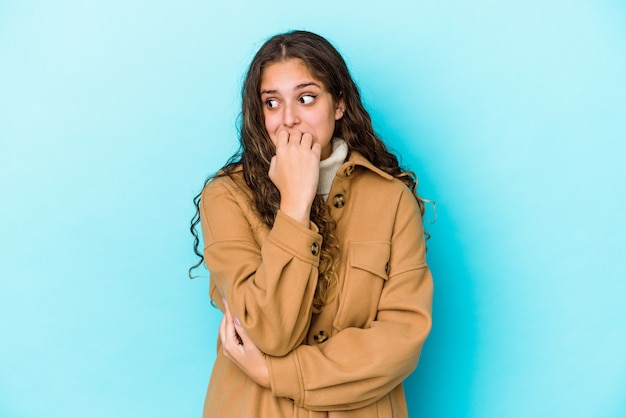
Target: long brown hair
<point>256,149</point>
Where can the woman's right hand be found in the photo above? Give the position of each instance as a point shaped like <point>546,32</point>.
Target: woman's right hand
<point>295,172</point>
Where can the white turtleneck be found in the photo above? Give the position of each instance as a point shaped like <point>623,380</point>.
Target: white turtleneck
<point>329,166</point>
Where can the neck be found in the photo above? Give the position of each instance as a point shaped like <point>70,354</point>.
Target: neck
<point>330,165</point>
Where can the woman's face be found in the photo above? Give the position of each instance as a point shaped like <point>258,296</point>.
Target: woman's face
<point>293,100</point>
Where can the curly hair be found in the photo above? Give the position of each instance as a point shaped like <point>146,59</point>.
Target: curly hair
<point>256,149</point>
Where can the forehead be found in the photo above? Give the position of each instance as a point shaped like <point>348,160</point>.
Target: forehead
<point>290,72</point>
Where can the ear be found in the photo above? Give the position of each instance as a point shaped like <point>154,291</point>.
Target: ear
<point>340,109</point>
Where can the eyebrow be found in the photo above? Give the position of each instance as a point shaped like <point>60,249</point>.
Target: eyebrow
<point>298,87</point>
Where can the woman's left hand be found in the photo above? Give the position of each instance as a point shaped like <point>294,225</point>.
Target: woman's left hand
<point>240,349</point>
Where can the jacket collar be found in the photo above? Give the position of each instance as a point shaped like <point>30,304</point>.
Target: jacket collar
<point>357,158</point>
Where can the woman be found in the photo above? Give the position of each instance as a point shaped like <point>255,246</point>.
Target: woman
<point>314,241</point>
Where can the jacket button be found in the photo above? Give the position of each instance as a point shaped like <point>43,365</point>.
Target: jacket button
<point>387,268</point>
<point>349,171</point>
<point>320,337</point>
<point>339,200</point>
<point>315,248</point>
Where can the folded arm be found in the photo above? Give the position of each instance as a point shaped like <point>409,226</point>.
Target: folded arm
<point>268,285</point>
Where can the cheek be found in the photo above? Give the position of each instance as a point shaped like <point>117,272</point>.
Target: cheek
<point>271,123</point>
<point>318,120</point>
<point>271,128</point>
<point>328,123</point>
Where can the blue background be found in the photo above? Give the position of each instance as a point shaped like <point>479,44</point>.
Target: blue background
<point>512,113</point>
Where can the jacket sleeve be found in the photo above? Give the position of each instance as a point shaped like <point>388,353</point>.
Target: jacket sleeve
<point>358,366</point>
<point>268,286</point>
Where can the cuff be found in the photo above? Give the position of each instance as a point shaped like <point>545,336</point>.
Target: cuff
<point>285,379</point>
<point>304,243</point>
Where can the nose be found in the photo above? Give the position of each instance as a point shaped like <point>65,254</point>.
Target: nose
<point>290,115</point>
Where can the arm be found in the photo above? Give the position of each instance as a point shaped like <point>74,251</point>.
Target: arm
<point>268,286</point>
<point>356,367</point>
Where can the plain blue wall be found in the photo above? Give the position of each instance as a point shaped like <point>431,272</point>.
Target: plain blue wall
<point>512,113</point>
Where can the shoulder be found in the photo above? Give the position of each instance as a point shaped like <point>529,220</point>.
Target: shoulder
<point>379,187</point>
<point>232,183</point>
<point>369,175</point>
<point>227,192</point>
<point>227,202</point>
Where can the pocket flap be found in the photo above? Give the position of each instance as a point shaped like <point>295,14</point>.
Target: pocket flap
<point>371,256</point>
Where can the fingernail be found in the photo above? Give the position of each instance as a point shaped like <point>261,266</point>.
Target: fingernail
<point>237,322</point>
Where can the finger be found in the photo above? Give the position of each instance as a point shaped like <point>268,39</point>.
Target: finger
<point>317,150</point>
<point>230,335</point>
<point>282,138</point>
<point>247,343</point>
<point>243,335</point>
<point>295,137</point>
<point>223,332</point>
<point>227,315</point>
<point>307,140</point>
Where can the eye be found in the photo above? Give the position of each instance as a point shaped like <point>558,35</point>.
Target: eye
<point>307,99</point>
<point>271,103</point>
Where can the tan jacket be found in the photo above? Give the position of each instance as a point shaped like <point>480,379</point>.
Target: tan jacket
<point>351,359</point>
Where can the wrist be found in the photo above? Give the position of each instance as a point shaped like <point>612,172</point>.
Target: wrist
<point>299,213</point>
<point>264,375</point>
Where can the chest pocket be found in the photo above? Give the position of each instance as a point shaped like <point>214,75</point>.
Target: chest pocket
<point>366,273</point>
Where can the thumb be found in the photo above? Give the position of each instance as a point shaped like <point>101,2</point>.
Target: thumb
<point>272,165</point>
<point>271,173</point>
